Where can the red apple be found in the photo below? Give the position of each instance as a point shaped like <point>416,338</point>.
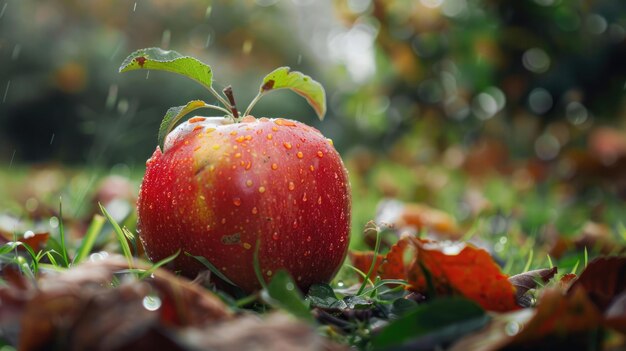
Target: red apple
<point>224,187</point>
<point>220,186</point>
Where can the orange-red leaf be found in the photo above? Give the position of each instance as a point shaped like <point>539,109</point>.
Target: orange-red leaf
<point>452,268</point>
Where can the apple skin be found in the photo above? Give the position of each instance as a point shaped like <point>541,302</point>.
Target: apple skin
<point>220,186</point>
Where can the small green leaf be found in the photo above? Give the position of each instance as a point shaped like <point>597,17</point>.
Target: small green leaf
<point>303,85</point>
<point>169,61</point>
<point>284,293</point>
<point>211,267</point>
<point>174,115</point>
<point>322,295</point>
<point>442,319</point>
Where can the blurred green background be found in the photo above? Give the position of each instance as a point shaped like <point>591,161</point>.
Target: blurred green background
<point>483,109</point>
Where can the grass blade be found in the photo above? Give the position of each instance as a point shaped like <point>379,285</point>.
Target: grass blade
<point>64,256</point>
<point>371,226</point>
<point>90,238</point>
<point>120,236</point>
<point>156,266</point>
<point>212,268</point>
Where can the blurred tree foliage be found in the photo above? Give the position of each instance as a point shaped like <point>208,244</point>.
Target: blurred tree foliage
<point>533,75</point>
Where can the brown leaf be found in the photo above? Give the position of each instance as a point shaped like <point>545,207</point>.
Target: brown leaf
<point>528,280</point>
<point>79,309</point>
<point>276,331</point>
<point>604,279</point>
<point>560,322</point>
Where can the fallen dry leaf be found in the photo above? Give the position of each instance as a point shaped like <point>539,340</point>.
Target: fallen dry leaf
<point>604,279</point>
<point>560,322</point>
<point>277,331</point>
<point>451,267</point>
<point>529,280</point>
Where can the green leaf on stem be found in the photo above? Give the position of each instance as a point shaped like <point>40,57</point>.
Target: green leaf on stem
<point>169,61</point>
<point>174,115</point>
<point>303,85</point>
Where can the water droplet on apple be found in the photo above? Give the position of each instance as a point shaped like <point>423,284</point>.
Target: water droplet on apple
<point>291,186</point>
<point>248,183</point>
<point>287,145</point>
<point>294,225</point>
<point>300,154</point>
<point>269,137</point>
<point>319,200</point>
<point>320,154</point>
<point>274,166</point>
<point>275,236</point>
<point>237,201</point>
<point>304,198</point>
<point>261,189</point>
<point>269,273</point>
<point>308,238</point>
<point>255,210</point>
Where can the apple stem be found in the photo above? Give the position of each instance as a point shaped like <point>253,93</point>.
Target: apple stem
<point>253,102</point>
<point>219,97</point>
<point>228,91</point>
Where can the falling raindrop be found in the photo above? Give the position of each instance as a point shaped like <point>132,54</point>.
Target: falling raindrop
<point>208,11</point>
<point>111,96</point>
<point>135,7</point>
<point>12,157</point>
<point>299,58</point>
<point>208,41</point>
<point>16,51</point>
<point>3,9</point>
<point>6,91</point>
<point>151,303</point>
<point>165,38</point>
<point>147,74</point>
